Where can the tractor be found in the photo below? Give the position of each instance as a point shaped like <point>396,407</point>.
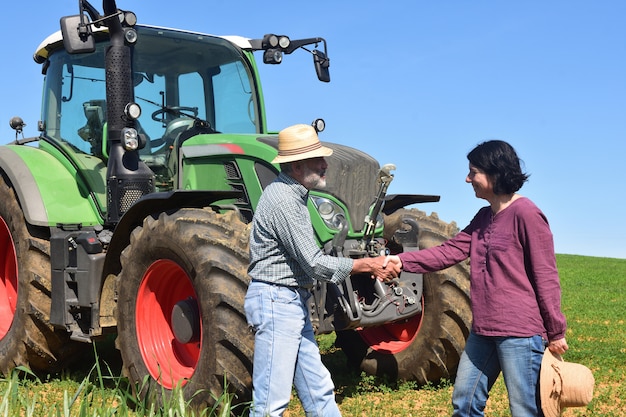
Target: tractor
<point>128,215</point>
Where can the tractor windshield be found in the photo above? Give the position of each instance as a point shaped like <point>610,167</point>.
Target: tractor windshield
<point>177,76</point>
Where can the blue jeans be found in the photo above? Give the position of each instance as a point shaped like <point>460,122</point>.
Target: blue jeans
<point>519,360</point>
<point>286,353</point>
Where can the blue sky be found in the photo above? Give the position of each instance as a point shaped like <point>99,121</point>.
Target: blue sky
<point>419,84</point>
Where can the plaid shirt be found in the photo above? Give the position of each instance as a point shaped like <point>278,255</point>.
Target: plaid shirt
<point>283,249</point>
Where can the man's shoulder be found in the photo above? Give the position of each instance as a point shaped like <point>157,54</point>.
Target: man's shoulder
<point>278,190</point>
<point>276,198</point>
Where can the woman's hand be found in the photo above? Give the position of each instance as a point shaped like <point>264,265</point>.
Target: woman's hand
<point>558,346</point>
<point>394,260</point>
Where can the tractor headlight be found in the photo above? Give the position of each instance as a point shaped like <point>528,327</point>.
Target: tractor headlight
<point>132,111</point>
<point>330,212</point>
<point>380,221</point>
<point>130,139</point>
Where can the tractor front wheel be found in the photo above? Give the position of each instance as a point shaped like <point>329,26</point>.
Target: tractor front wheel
<point>181,324</point>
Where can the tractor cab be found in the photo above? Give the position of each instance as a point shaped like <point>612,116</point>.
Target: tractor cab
<point>181,81</point>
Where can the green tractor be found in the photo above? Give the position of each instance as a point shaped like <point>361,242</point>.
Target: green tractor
<point>129,215</point>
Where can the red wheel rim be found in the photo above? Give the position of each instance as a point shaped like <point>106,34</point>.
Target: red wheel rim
<point>168,361</point>
<point>8,279</point>
<point>393,338</point>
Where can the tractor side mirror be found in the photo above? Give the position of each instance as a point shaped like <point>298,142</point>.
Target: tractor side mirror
<point>77,36</point>
<point>321,65</point>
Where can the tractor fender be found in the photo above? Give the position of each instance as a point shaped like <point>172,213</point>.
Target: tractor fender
<point>394,202</point>
<point>48,192</point>
<point>25,186</point>
<point>152,205</point>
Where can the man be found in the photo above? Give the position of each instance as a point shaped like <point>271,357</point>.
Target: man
<point>284,262</point>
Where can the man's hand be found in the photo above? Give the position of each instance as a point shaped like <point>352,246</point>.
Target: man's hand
<point>377,267</point>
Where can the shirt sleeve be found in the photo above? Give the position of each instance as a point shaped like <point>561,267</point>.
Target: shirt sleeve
<point>433,259</point>
<point>293,226</point>
<point>541,268</point>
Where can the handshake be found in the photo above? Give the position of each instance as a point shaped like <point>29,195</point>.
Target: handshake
<point>386,268</point>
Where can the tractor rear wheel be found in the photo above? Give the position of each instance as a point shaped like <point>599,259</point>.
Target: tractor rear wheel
<point>181,324</point>
<point>427,347</point>
<point>26,336</point>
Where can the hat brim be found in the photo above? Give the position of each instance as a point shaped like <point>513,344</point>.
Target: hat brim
<point>317,153</point>
<point>550,405</point>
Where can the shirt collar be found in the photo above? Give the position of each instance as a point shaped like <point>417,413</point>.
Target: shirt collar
<point>298,188</point>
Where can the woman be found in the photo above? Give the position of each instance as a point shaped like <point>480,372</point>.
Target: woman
<point>515,290</point>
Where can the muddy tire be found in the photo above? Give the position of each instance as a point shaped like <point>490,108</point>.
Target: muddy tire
<point>26,336</point>
<point>194,259</point>
<point>427,347</point>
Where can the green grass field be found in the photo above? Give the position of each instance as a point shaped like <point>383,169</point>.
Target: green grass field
<point>594,301</point>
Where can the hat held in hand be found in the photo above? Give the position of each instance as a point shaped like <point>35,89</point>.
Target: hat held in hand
<point>299,142</point>
<point>563,384</point>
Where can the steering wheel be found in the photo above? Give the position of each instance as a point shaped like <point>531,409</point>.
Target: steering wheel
<point>176,110</point>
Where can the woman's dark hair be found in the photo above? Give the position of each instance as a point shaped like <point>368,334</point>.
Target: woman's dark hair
<point>499,160</point>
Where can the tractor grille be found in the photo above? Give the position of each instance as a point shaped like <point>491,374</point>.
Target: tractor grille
<point>131,193</point>
<point>232,170</point>
<point>235,182</point>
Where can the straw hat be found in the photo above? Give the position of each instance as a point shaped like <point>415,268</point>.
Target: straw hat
<point>563,384</point>
<point>299,142</point>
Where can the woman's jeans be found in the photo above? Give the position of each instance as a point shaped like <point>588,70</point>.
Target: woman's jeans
<point>286,353</point>
<point>519,360</point>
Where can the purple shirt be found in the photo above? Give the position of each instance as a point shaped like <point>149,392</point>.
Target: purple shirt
<point>514,282</point>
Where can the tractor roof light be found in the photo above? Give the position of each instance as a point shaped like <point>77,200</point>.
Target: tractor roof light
<point>130,35</point>
<point>274,47</point>
<point>271,41</point>
<point>272,56</point>
<point>284,42</point>
<point>130,18</point>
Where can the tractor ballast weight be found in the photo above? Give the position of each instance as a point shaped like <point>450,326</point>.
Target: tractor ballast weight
<point>129,214</point>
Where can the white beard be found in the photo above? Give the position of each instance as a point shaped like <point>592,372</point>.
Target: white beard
<point>313,179</point>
